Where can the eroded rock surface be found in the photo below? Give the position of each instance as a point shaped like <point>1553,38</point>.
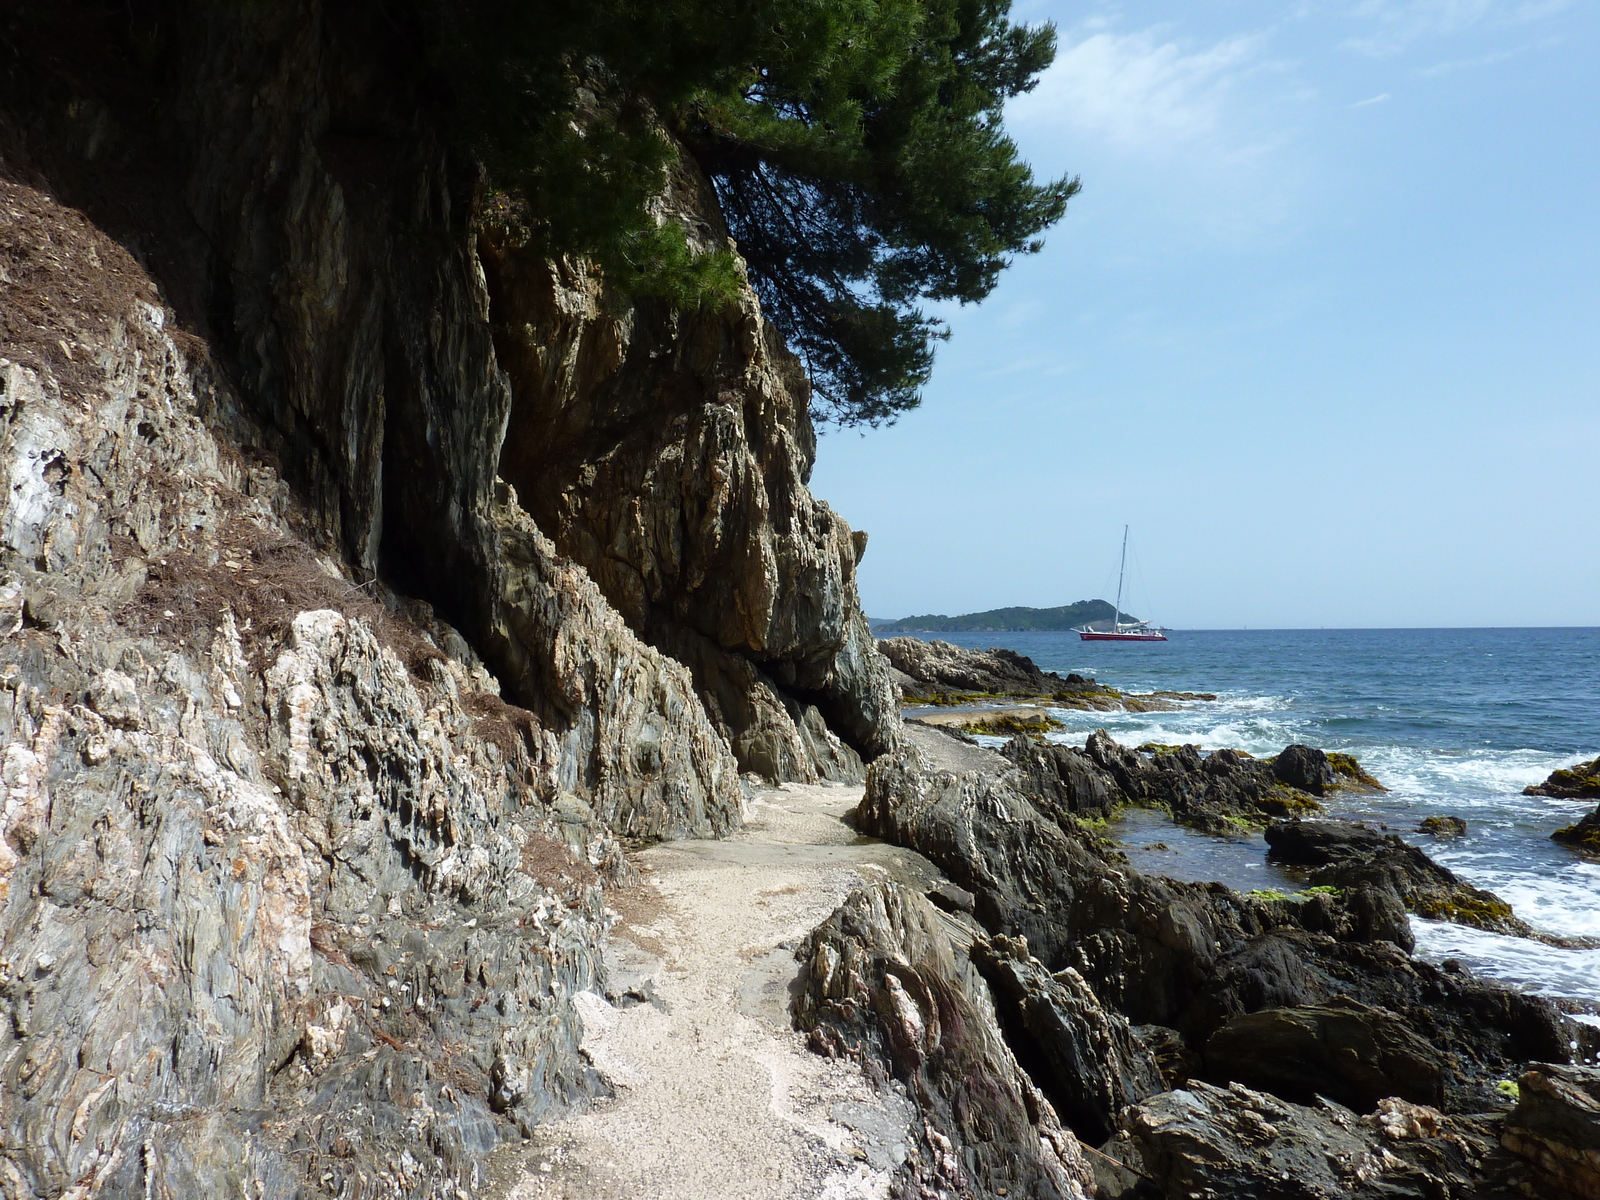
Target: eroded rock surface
<point>1556,1128</point>
<point>882,984</point>
<point>1191,957</point>
<point>292,901</point>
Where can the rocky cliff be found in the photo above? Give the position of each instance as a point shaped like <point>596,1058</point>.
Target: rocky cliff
<point>363,581</point>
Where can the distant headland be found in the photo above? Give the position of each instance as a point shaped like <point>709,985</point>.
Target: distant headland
<point>997,620</point>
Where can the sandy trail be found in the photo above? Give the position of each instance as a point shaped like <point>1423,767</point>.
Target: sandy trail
<point>717,1096</point>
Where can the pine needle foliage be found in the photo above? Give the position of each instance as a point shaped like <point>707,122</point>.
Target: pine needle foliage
<point>856,148</point>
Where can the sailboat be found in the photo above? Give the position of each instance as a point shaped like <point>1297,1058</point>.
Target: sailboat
<point>1133,631</point>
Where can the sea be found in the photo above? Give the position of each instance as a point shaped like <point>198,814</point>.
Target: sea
<point>1452,721</point>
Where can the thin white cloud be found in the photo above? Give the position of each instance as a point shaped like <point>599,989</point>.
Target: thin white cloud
<point>1378,99</point>
<point>1482,60</point>
<point>1395,25</point>
<point>1137,91</point>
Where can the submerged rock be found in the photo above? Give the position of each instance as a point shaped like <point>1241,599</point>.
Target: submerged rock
<point>1443,827</point>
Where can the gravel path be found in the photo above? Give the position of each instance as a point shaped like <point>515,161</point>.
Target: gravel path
<point>716,1096</point>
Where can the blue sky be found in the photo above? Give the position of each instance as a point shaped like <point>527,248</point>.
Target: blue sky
<point>1323,327</point>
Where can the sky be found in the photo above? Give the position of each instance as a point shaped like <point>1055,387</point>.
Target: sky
<point>1323,327</point>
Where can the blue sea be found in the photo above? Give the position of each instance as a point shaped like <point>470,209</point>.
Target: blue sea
<point>1452,721</point>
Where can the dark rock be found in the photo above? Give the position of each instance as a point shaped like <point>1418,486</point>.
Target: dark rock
<point>881,983</point>
<point>1578,782</point>
<point>1443,827</point>
<point>938,666</point>
<point>1348,854</point>
<point>1224,792</point>
<point>1305,768</point>
<point>1349,1052</point>
<point>949,897</point>
<point>1192,957</point>
<point>1240,1144</point>
<point>1555,1126</point>
<point>1177,1062</point>
<point>1061,780</point>
<point>1585,835</point>
<point>1086,1059</point>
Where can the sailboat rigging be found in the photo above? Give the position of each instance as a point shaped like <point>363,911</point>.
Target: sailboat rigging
<point>1134,631</point>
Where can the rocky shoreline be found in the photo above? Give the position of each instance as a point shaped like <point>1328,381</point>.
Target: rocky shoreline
<point>445,755</point>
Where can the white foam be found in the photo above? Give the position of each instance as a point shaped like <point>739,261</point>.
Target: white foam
<point>1532,966</point>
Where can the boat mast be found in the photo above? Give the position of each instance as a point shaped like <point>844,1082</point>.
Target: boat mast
<point>1116,617</point>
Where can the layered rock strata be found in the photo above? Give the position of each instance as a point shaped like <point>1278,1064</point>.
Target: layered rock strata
<point>291,899</point>
<point>303,210</point>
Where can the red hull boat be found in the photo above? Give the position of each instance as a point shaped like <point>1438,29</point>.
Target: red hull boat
<point>1126,635</point>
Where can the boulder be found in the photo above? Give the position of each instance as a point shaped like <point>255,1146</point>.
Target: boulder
<point>1304,767</point>
<point>1349,1052</point>
<point>1443,827</point>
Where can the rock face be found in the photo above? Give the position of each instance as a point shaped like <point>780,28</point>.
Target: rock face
<point>1556,1127</point>
<point>882,983</point>
<point>403,366</point>
<point>669,452</point>
<point>293,902</point>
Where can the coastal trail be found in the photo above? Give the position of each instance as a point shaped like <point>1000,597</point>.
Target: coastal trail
<point>716,1095</point>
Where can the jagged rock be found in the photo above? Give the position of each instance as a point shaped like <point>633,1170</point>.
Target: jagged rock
<point>1207,1141</point>
<point>1214,792</point>
<point>1085,1059</point>
<point>292,902</point>
<point>880,982</point>
<point>1349,1052</point>
<point>1304,767</point>
<point>1348,854</point>
<point>1190,957</point>
<point>1580,781</point>
<point>1061,780</point>
<point>1443,827</point>
<point>938,666</point>
<point>1556,1127</point>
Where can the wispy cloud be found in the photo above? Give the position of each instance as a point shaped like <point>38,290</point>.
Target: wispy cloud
<point>1138,91</point>
<point>1482,60</point>
<point>1378,99</point>
<point>1394,26</point>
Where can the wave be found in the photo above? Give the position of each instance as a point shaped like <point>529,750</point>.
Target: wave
<point>1531,966</point>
